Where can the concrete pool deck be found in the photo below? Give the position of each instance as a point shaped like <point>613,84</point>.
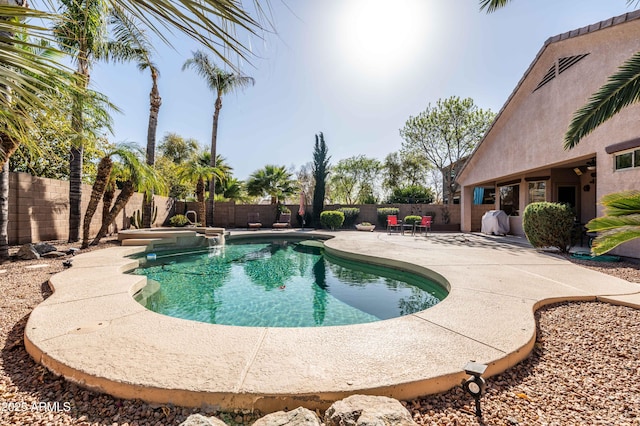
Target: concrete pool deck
<point>91,330</point>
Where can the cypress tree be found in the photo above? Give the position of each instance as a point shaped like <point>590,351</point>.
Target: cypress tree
<point>320,172</point>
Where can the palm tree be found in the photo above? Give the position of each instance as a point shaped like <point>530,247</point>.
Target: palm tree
<point>177,148</point>
<point>81,34</point>
<point>274,181</point>
<point>137,47</point>
<point>232,189</point>
<point>15,120</point>
<point>195,172</point>
<point>220,82</point>
<point>136,176</point>
<point>100,185</point>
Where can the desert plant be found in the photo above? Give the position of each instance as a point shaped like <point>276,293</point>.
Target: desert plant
<point>350,216</point>
<point>383,212</point>
<point>411,219</point>
<point>136,218</point>
<point>179,220</point>
<point>331,219</point>
<point>549,225</point>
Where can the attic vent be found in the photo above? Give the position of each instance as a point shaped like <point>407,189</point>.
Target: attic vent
<point>547,77</point>
<point>560,66</point>
<point>565,63</point>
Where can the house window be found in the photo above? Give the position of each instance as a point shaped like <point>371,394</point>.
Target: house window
<point>510,199</point>
<point>627,160</point>
<point>537,191</point>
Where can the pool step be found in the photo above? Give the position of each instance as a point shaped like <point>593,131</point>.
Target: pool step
<point>144,241</point>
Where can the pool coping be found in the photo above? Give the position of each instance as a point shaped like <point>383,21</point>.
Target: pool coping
<point>92,332</point>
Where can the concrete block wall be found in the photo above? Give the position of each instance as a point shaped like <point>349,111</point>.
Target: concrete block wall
<point>231,215</point>
<point>477,211</point>
<point>39,209</point>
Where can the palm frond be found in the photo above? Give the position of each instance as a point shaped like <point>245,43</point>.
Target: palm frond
<point>621,203</point>
<point>606,223</point>
<point>611,239</point>
<point>621,90</point>
<point>218,80</point>
<point>129,38</point>
<point>212,23</point>
<point>492,5</point>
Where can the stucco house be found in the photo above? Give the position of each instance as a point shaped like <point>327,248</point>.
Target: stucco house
<point>521,159</point>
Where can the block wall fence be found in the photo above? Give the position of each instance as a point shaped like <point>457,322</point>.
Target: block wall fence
<point>231,215</point>
<point>39,211</point>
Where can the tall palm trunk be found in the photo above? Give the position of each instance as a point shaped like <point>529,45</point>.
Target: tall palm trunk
<point>77,149</point>
<point>155,102</point>
<point>214,139</point>
<point>123,198</point>
<point>97,192</point>
<point>107,200</point>
<point>4,212</point>
<point>202,207</point>
<point>7,147</point>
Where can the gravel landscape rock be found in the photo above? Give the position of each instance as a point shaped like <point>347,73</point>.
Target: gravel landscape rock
<point>584,370</point>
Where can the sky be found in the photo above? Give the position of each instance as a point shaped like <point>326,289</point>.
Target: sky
<point>355,70</point>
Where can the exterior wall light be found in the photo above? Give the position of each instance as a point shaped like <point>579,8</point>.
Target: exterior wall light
<point>475,384</point>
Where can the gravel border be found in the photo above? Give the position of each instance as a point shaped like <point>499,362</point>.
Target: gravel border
<point>585,369</point>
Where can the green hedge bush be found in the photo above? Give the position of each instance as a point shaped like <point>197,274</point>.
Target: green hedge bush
<point>331,219</point>
<point>350,216</point>
<point>549,225</point>
<point>411,219</point>
<point>383,212</point>
<point>179,220</point>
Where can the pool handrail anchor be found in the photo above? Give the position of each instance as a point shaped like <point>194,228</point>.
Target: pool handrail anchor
<point>195,216</point>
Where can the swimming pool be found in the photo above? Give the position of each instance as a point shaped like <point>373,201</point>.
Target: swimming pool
<point>279,283</point>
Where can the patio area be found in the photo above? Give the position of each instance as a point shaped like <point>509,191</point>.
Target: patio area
<point>105,340</point>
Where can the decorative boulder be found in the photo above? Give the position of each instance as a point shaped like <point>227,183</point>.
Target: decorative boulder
<point>298,417</point>
<point>200,420</point>
<point>368,410</point>
<point>27,252</point>
<point>44,248</point>
<point>53,254</point>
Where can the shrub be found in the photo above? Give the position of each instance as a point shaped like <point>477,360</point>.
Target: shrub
<point>412,219</point>
<point>549,225</point>
<point>412,194</point>
<point>178,220</point>
<point>350,216</point>
<point>383,212</point>
<point>331,219</point>
<point>283,209</point>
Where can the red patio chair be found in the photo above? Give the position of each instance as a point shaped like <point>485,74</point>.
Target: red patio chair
<point>392,223</point>
<point>424,223</point>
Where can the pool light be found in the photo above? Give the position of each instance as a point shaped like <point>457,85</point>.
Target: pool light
<point>475,384</point>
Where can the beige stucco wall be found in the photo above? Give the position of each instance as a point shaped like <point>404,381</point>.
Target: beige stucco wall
<point>39,209</point>
<point>527,138</point>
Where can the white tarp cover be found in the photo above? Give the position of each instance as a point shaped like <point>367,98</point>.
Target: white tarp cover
<point>495,222</point>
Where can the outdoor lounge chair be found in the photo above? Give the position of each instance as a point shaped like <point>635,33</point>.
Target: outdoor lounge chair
<point>283,221</point>
<point>392,223</point>
<point>253,221</point>
<point>425,224</point>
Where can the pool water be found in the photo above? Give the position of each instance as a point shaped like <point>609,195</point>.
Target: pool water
<point>280,284</point>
